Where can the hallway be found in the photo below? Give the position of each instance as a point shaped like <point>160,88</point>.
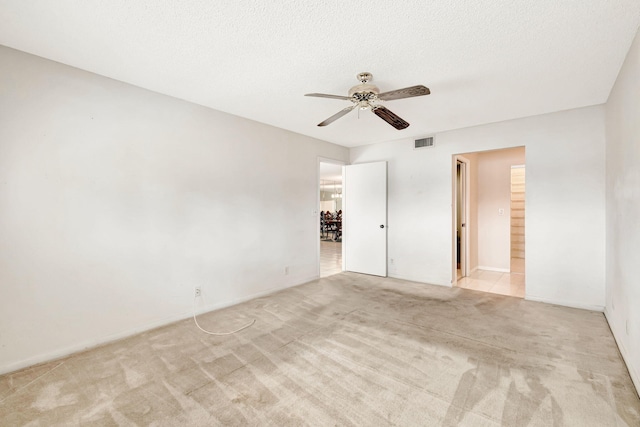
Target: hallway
<point>330,258</point>
<point>496,282</point>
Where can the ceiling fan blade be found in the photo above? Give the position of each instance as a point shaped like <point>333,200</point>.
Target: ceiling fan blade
<point>337,115</point>
<point>407,92</point>
<point>390,117</point>
<point>324,95</point>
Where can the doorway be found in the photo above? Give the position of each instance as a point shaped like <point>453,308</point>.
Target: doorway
<point>488,221</point>
<point>330,217</point>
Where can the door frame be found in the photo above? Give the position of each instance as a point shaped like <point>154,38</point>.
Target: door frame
<point>316,212</point>
<point>464,235</point>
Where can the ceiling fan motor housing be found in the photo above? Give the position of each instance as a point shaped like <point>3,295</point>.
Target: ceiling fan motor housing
<point>364,92</point>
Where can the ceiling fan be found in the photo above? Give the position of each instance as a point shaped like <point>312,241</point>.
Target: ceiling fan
<point>368,96</point>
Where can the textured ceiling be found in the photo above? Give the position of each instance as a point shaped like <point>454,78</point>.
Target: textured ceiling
<point>484,61</point>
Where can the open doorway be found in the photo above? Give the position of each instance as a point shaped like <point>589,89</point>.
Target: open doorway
<point>330,217</point>
<point>488,221</point>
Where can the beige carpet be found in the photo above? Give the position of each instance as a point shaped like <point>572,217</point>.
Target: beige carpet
<point>345,350</point>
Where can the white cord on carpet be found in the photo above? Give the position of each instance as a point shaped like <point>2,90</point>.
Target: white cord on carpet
<point>30,382</point>
<point>217,333</point>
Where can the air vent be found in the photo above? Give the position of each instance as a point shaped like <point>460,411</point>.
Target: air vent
<point>424,142</point>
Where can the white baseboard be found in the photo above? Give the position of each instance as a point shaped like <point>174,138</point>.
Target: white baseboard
<point>218,306</point>
<point>419,280</point>
<point>563,303</point>
<point>89,344</point>
<point>635,378</point>
<point>500,270</point>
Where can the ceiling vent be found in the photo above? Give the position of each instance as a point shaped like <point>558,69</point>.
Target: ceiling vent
<point>423,142</point>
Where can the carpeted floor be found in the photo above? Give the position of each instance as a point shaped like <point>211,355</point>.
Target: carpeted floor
<point>345,350</point>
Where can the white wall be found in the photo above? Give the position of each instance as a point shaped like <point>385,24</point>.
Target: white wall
<point>494,193</point>
<point>623,210</point>
<point>565,221</point>
<point>115,202</point>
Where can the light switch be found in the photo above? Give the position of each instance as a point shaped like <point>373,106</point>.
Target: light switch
<point>500,211</point>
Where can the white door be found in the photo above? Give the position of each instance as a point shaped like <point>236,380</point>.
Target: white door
<point>365,218</point>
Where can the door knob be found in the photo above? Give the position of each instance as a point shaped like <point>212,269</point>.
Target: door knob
<point>381,226</point>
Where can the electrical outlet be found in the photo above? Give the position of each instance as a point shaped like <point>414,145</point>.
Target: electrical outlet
<point>198,291</point>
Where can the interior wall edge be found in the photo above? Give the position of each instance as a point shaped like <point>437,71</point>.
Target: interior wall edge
<point>616,332</point>
<point>622,202</point>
